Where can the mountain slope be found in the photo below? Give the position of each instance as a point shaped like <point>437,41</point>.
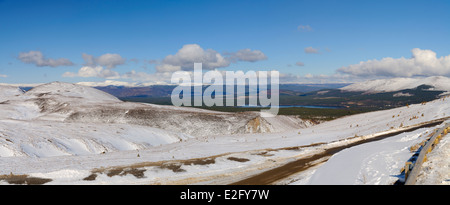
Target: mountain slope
<point>67,119</point>
<point>439,83</point>
<point>69,90</point>
<point>9,92</point>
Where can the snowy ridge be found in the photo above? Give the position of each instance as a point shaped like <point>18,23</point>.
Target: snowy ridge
<point>59,119</point>
<point>70,90</point>
<point>440,83</point>
<point>9,92</point>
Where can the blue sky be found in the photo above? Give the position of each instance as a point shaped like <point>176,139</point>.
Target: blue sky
<point>44,41</point>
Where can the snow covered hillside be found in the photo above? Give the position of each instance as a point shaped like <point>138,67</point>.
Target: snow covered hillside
<point>9,92</point>
<point>67,119</point>
<point>440,83</point>
<point>76,138</point>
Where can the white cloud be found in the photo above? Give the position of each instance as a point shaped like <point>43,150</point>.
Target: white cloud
<point>189,54</point>
<point>3,76</point>
<point>89,59</point>
<point>142,78</point>
<point>247,55</point>
<point>158,78</point>
<point>120,83</point>
<point>38,59</point>
<point>311,50</point>
<point>98,67</point>
<point>182,60</point>
<point>304,28</point>
<point>133,78</point>
<point>98,72</point>
<point>421,63</point>
<point>107,60</point>
<point>286,78</point>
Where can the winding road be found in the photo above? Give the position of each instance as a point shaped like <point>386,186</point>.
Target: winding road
<point>284,171</point>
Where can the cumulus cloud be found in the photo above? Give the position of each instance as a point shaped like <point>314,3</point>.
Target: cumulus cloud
<point>98,67</point>
<point>421,63</point>
<point>97,71</point>
<point>247,55</point>
<point>107,60</point>
<point>38,59</point>
<point>100,72</point>
<point>311,50</point>
<point>189,54</point>
<point>158,78</point>
<point>182,60</point>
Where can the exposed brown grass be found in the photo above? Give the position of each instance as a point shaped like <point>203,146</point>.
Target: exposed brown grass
<point>23,179</point>
<point>172,166</point>
<point>264,154</point>
<point>117,171</point>
<point>200,161</point>
<point>237,159</point>
<point>138,169</point>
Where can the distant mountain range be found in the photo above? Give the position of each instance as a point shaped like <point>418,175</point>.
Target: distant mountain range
<point>364,99</point>
<point>373,94</point>
<point>155,91</point>
<point>439,83</point>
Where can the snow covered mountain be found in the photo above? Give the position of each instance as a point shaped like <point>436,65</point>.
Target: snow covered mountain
<point>68,90</point>
<point>440,83</point>
<point>67,134</point>
<point>67,119</point>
